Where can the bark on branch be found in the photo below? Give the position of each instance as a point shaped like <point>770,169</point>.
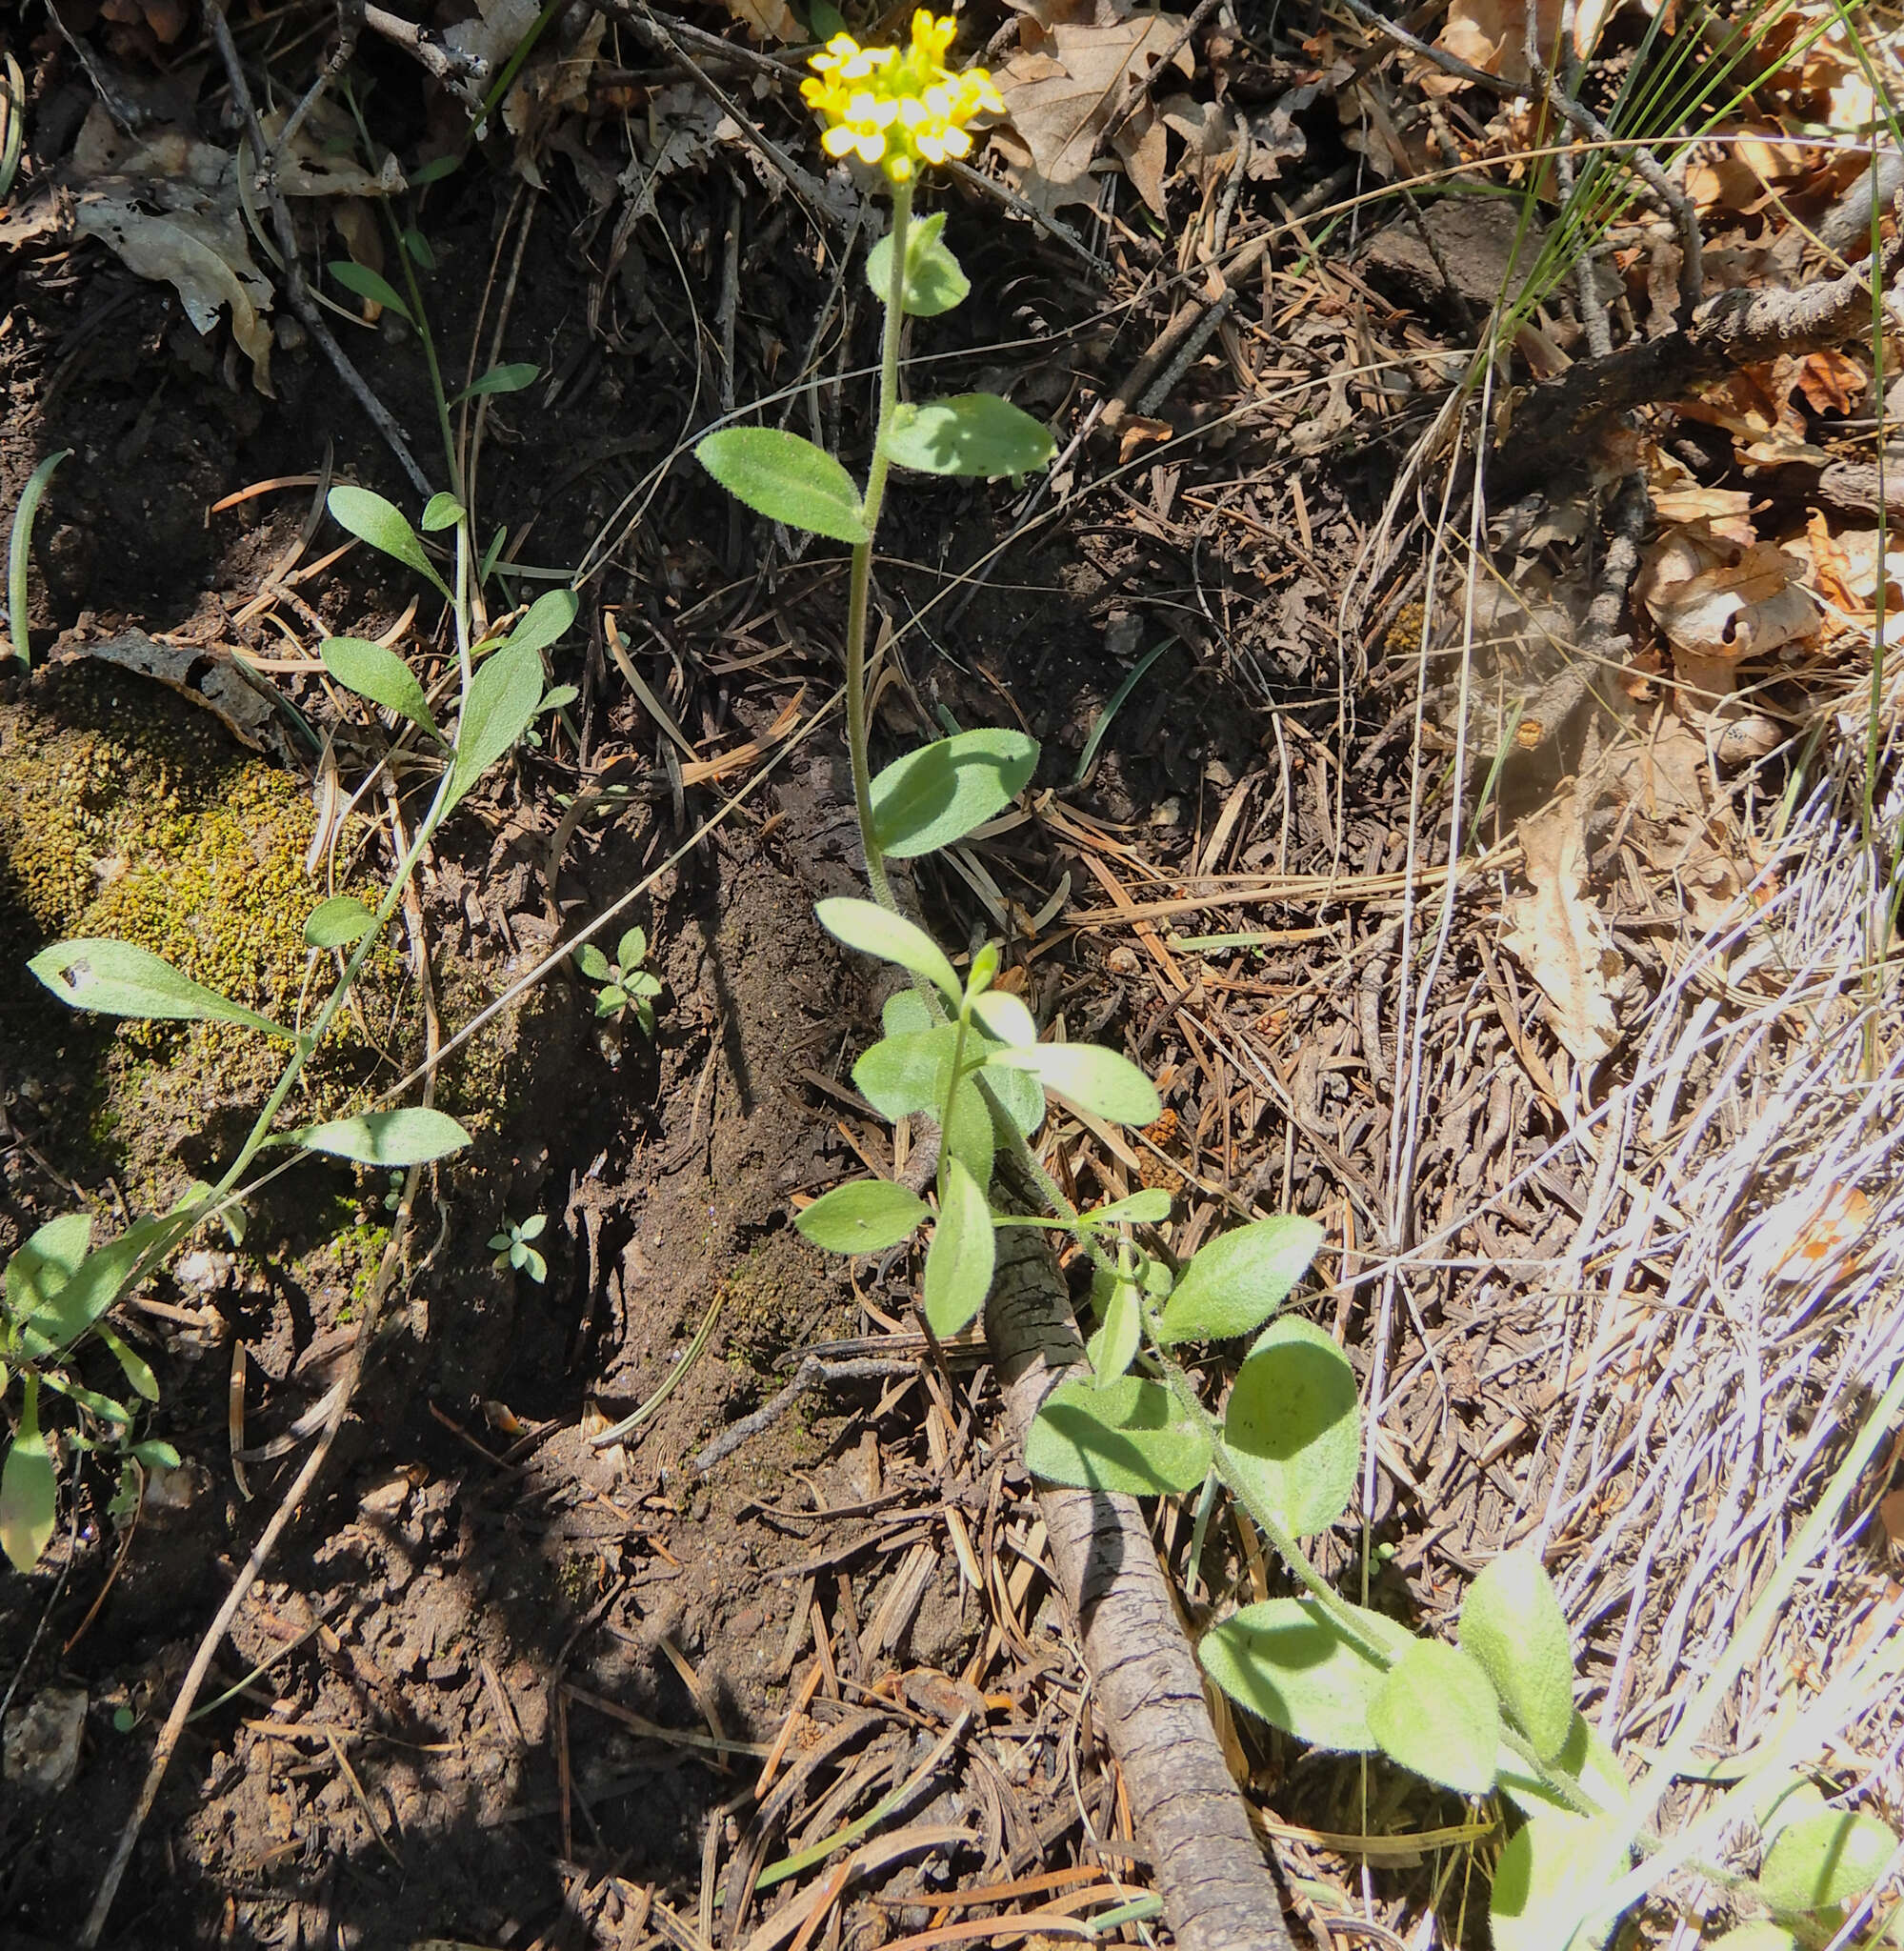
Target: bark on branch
<point>1562,425</point>
<point>1217,1891</point>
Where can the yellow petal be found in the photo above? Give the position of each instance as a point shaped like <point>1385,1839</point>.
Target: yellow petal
<point>870,143</point>
<point>838,141</point>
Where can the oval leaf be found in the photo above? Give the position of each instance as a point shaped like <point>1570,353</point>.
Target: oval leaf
<point>1127,1437</point>
<point>545,621</point>
<point>504,695</point>
<point>867,1216</point>
<point>120,979</point>
<point>1006,1020</point>
<point>379,675</point>
<point>869,928</point>
<point>442,510</point>
<point>1436,1714</point>
<point>935,283</point>
<point>789,479</point>
<point>1549,1881</point>
<point>27,1486</point>
<point>941,791</point>
<point>1289,1661</point>
<point>1584,1760</point>
<point>414,1135</point>
<point>962,1255</point>
<point>510,379</point>
<point>905,1073</point>
<point>338,922</point>
<point>1237,1282</point>
<point>1123,1330</point>
<point>1294,1427</point>
<point>970,433</point>
<point>1092,1078</point>
<point>1828,1858</point>
<point>60,1305</point>
<point>1140,1209</point>
<point>381,524</point>
<point>1512,1623</point>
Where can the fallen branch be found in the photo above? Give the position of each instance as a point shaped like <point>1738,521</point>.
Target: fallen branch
<point>1217,1892</point>
<point>1566,422</point>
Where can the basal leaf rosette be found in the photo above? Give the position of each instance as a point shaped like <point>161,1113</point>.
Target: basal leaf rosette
<point>898,107</point>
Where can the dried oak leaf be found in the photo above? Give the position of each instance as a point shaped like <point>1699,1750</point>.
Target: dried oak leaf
<point>1722,599</point>
<point>1061,91</point>
<point>1561,938</point>
<point>1492,35</point>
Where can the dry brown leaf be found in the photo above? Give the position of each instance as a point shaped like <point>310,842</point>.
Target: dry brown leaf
<point>1831,382</point>
<point>1811,1234</point>
<point>1678,495</point>
<point>1561,938</point>
<point>1062,92</point>
<point>1714,595</point>
<point>1492,34</point>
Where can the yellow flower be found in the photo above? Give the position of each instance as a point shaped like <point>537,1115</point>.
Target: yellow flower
<point>898,108</point>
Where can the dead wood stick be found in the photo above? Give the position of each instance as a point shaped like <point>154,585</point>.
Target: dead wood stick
<point>1564,420</point>
<point>1217,1891</point>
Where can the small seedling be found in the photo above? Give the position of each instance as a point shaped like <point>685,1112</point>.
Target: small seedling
<point>513,1250</point>
<point>625,984</point>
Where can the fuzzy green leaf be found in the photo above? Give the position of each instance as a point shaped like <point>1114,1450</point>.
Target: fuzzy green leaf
<point>1125,1437</point>
<point>27,1488</point>
<point>1123,1329</point>
<point>962,1255</point>
<point>503,696</point>
<point>546,620</point>
<point>1436,1714</point>
<point>1828,1859</point>
<point>788,479</point>
<point>938,793</point>
<point>974,433</point>
<point>119,979</point>
<point>379,675</point>
<point>338,922</point>
<point>1512,1623</point>
<point>1292,1425</point>
<point>413,1136</point>
<point>381,524</point>
<point>1095,1079</point>
<point>935,283</point>
<point>1289,1661</point>
<point>1146,1208</point>
<point>869,928</point>
<point>1548,1883</point>
<point>1006,1020</point>
<point>1236,1282</point>
<point>867,1216</point>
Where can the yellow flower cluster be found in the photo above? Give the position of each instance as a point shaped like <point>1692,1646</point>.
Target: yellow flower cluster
<point>897,107</point>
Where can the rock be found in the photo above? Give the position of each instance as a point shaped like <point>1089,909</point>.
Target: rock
<point>41,1743</point>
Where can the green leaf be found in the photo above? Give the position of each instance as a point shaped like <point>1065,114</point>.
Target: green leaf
<point>867,927</point>
<point>365,283</point>
<point>338,922</point>
<point>1140,1209</point>
<point>41,1265</point>
<point>119,979</point>
<point>1123,1326</point>
<point>434,171</point>
<point>1020,1097</point>
<point>632,950</point>
<point>503,696</point>
<point>962,1255</point>
<point>1760,1934</point>
<point>1005,1019</point>
<point>416,247</point>
<point>1825,1860</point>
<point>381,524</point>
<point>938,793</point>
<point>788,479</point>
<point>867,1216</point>
<point>1289,1663</point>
<point>442,510</point>
<point>904,1074</point>
<point>545,621</point>
<point>1127,1437</point>
<point>379,675</point>
<point>137,1370</point>
<point>1237,1282</point>
<point>414,1135</point>
<point>594,964</point>
<point>904,1013</point>
<point>970,433</point>
<point>1512,1623</point>
<point>968,1132</point>
<point>1095,1079</point>
<point>935,283</point>
<point>1292,1425</point>
<point>511,378</point>
<point>1584,1760</point>
<point>1436,1714</point>
<point>27,1488</point>
<point>1548,1883</point>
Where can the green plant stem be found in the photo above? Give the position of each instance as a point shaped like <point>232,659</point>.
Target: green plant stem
<point>857,599</point>
<point>19,551</point>
<point>952,1095</point>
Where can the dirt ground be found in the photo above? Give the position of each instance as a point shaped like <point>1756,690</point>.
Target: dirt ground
<point>507,1679</point>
